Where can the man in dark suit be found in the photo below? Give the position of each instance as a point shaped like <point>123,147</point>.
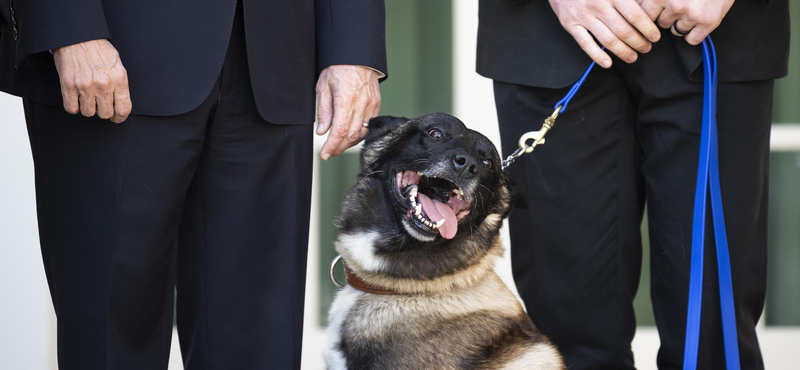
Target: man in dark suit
<point>629,138</point>
<point>205,186</point>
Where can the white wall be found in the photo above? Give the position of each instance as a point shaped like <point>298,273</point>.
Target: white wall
<point>27,333</point>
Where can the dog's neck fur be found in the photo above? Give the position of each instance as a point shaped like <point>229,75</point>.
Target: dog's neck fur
<point>356,251</point>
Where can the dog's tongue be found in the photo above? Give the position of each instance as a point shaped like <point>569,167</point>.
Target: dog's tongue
<point>436,210</point>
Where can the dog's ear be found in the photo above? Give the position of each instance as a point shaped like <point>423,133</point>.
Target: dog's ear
<point>381,125</point>
<point>509,195</point>
<point>384,131</point>
<point>517,200</point>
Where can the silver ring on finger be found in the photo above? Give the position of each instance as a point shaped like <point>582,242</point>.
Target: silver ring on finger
<point>365,124</point>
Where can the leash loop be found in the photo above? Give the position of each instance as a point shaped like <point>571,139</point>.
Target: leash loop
<point>708,186</point>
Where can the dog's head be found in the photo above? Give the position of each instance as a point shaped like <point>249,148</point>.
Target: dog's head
<point>429,201</point>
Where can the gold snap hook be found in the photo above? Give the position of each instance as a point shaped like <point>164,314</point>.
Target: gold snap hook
<point>538,136</point>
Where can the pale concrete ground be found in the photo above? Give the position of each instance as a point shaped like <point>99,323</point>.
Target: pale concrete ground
<point>27,323</point>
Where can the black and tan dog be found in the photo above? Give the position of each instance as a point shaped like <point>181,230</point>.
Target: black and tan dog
<point>419,234</point>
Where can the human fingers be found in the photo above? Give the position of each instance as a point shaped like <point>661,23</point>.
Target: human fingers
<point>610,40</point>
<point>636,16</point>
<point>589,46</point>
<point>340,128</point>
<point>122,102</point>
<point>324,107</point>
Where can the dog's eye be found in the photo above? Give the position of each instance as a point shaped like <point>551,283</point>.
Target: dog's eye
<point>435,133</point>
<point>488,163</point>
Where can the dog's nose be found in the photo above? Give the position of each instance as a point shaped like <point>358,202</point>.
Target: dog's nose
<point>465,165</point>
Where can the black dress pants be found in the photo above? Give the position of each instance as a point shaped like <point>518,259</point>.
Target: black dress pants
<point>215,201</point>
<point>630,138</point>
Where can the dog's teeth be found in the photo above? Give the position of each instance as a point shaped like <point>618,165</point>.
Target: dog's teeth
<point>419,173</point>
<point>440,223</point>
<point>418,209</point>
<point>413,192</point>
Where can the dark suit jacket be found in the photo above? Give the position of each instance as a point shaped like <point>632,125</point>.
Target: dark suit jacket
<point>522,42</point>
<point>173,50</point>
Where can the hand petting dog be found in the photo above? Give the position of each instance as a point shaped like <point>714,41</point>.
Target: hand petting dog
<point>347,98</point>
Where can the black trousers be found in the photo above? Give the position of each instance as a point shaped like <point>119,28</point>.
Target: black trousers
<point>630,138</point>
<point>216,200</point>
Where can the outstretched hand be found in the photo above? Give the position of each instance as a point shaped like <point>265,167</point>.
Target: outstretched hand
<point>348,97</point>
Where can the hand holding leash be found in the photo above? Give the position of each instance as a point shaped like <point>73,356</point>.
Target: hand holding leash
<point>692,20</point>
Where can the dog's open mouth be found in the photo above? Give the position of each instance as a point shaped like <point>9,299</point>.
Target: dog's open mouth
<point>434,204</point>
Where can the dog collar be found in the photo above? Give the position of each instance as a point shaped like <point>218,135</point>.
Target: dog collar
<point>354,281</point>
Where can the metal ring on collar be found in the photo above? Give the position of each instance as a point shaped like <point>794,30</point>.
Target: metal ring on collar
<point>332,275</point>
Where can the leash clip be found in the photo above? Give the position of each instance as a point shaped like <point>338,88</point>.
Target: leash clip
<point>536,136</point>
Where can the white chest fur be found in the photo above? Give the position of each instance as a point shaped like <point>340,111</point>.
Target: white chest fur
<point>373,316</point>
<point>341,307</point>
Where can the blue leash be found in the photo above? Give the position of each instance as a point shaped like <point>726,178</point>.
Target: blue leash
<point>707,183</point>
<point>708,179</point>
<point>565,101</point>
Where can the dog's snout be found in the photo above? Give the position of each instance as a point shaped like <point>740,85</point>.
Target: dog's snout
<point>465,165</point>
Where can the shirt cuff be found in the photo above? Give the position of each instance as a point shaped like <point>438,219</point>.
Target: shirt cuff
<point>380,74</point>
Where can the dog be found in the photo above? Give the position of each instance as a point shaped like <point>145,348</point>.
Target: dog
<point>418,234</point>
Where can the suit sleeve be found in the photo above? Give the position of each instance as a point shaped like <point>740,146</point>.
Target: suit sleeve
<point>49,24</point>
<point>5,18</point>
<point>351,32</point>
